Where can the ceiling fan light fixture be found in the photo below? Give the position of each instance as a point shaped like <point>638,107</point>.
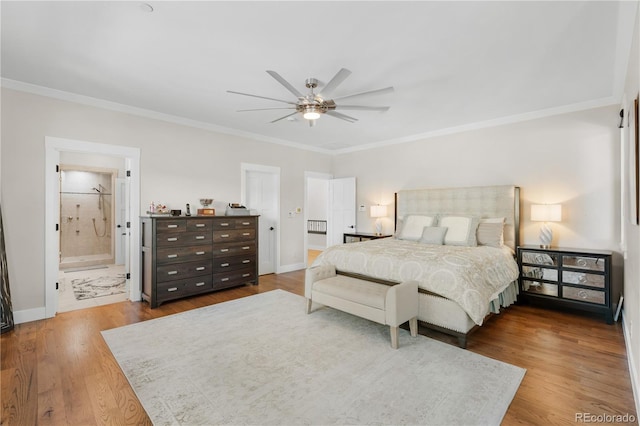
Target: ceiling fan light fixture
<point>311,113</point>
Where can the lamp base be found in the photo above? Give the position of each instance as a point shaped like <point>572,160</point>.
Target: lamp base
<point>378,227</point>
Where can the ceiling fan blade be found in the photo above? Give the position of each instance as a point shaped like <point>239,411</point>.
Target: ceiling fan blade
<point>335,81</point>
<point>286,84</point>
<point>282,118</point>
<point>363,108</point>
<point>341,116</point>
<point>263,109</point>
<point>261,97</point>
<point>369,93</point>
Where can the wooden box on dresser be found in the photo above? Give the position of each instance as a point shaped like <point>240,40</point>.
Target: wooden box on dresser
<point>183,256</point>
<point>578,279</point>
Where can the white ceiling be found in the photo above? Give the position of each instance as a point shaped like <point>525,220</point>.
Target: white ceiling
<point>454,65</point>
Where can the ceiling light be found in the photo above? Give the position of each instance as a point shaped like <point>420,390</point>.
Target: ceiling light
<point>311,113</point>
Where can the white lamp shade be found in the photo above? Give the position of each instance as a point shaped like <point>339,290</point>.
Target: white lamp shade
<point>378,211</point>
<point>546,212</point>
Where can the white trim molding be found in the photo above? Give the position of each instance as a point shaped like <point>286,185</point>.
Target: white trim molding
<point>53,147</point>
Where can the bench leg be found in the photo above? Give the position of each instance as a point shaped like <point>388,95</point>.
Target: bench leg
<point>309,302</point>
<point>413,326</point>
<point>394,337</point>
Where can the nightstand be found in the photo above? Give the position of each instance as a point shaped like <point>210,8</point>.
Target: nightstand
<point>350,237</point>
<point>571,278</point>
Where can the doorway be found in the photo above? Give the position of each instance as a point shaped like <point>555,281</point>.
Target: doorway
<point>261,194</point>
<point>78,153</point>
<point>88,272</point>
<point>327,200</point>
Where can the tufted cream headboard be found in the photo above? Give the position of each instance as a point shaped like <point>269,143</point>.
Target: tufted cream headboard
<point>482,201</point>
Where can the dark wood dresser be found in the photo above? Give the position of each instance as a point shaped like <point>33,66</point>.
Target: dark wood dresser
<point>184,256</point>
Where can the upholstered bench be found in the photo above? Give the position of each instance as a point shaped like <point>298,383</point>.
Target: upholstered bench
<point>390,305</point>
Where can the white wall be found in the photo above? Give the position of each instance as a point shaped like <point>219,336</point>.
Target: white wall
<point>631,314</point>
<point>179,165</point>
<point>572,159</point>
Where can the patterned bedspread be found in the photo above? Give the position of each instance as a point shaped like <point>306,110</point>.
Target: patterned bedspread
<point>470,276</point>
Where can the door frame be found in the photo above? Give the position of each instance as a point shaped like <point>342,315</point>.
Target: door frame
<point>53,147</point>
<point>245,168</point>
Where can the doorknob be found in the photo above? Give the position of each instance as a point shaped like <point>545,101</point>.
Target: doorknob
<point>119,226</point>
<point>351,226</point>
<point>271,228</point>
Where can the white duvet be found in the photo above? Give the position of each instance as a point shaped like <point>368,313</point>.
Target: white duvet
<point>470,276</point>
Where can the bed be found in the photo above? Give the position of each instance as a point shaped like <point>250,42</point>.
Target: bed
<point>458,243</point>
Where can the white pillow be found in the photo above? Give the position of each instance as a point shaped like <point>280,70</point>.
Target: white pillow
<point>462,230</point>
<point>413,225</point>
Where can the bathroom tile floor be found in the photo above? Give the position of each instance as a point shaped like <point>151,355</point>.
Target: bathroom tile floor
<point>66,298</point>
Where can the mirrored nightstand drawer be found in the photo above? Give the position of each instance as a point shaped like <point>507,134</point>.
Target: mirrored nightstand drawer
<point>592,296</point>
<point>538,287</point>
<point>579,262</point>
<point>540,273</point>
<point>538,258</point>
<point>592,280</point>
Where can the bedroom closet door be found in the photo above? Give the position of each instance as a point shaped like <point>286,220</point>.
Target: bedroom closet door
<point>342,209</point>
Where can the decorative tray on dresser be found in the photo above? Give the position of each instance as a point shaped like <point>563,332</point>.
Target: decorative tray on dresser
<point>185,256</point>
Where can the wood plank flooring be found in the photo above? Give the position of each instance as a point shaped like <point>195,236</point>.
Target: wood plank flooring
<point>60,371</point>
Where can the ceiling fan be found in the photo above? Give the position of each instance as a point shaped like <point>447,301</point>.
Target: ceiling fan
<point>313,105</point>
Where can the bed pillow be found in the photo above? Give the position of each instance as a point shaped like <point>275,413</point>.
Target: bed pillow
<point>491,232</point>
<point>433,235</point>
<point>413,225</point>
<point>462,230</point>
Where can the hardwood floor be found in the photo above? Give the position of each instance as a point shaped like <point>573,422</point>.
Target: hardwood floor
<point>60,371</point>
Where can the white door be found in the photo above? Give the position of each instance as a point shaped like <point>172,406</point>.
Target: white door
<point>122,207</point>
<point>342,209</point>
<point>263,195</point>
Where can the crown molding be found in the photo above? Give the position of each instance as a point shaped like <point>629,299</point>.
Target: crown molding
<point>142,112</point>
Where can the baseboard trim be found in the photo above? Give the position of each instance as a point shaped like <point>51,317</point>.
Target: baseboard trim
<point>633,374</point>
<point>28,315</point>
<point>290,268</point>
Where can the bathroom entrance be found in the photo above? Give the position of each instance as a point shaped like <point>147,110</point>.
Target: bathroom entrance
<point>91,269</point>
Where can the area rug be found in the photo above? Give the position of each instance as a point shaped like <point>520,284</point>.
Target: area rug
<point>89,288</point>
<point>261,360</point>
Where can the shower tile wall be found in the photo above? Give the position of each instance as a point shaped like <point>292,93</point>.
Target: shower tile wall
<point>79,206</point>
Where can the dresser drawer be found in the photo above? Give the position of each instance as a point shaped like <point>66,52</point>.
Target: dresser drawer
<point>583,262</point>
<point>540,273</point>
<point>185,287</point>
<point>233,249</point>
<point>183,254</point>
<point>591,280</point>
<point>199,224</point>
<point>221,236</point>
<point>591,296</point>
<point>235,223</point>
<point>233,278</point>
<point>544,259</point>
<point>183,270</point>
<point>184,238</point>
<point>172,225</point>
<point>221,264</point>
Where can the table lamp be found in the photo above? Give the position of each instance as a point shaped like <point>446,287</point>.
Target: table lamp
<point>546,213</point>
<point>378,211</point>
